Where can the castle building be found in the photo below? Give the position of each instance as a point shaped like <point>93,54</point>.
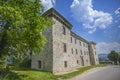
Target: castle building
<point>64,51</point>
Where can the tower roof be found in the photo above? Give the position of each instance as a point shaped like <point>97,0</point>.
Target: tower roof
<point>58,16</point>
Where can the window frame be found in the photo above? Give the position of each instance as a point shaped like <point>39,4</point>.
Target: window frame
<point>64,30</point>
<point>76,51</point>
<point>64,47</point>
<point>71,39</point>
<point>65,64</point>
<point>39,64</point>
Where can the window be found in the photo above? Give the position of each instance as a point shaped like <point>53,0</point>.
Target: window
<point>83,44</point>
<point>81,52</point>
<point>75,41</point>
<point>72,50</point>
<point>64,46</point>
<point>65,63</point>
<point>39,64</point>
<point>77,61</point>
<point>64,31</point>
<point>76,51</point>
<point>71,39</point>
<point>86,60</point>
<point>86,45</point>
<point>80,43</point>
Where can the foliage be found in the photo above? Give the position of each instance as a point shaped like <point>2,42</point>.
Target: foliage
<point>119,58</point>
<point>8,75</point>
<point>22,63</point>
<point>113,56</point>
<point>21,27</point>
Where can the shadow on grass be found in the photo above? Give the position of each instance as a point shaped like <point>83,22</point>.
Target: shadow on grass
<point>9,75</point>
<point>29,69</point>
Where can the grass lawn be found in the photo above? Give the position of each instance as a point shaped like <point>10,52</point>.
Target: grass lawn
<point>30,74</point>
<point>35,75</point>
<point>79,71</point>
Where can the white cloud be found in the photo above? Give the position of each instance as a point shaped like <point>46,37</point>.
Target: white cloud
<point>117,11</point>
<point>105,48</point>
<point>48,4</point>
<point>92,19</point>
<point>91,31</point>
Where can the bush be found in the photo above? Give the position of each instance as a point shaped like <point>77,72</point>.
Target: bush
<point>8,75</point>
<point>24,63</point>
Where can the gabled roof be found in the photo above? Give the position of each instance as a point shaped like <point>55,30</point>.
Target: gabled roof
<point>54,13</point>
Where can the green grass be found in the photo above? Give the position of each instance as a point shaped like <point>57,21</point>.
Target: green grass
<point>30,74</point>
<point>79,71</point>
<point>36,75</point>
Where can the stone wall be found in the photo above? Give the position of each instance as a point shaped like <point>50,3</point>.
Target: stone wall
<point>79,52</point>
<point>93,53</point>
<point>82,51</point>
<point>59,56</point>
<point>46,56</point>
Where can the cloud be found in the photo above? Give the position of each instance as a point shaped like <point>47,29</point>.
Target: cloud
<point>105,48</point>
<point>92,19</point>
<point>117,11</point>
<point>48,4</point>
<point>91,31</point>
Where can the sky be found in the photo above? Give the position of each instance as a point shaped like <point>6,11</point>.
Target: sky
<point>94,20</point>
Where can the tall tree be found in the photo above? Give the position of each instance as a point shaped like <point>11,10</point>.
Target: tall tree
<point>21,27</point>
<point>113,56</point>
<point>119,58</point>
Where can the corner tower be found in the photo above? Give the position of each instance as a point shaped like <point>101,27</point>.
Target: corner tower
<point>93,53</point>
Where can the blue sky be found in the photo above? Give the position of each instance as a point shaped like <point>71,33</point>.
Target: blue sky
<point>94,20</point>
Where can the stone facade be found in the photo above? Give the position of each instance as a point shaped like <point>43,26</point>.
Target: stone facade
<point>64,50</point>
<point>93,53</point>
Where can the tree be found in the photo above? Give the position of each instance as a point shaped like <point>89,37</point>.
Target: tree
<point>119,58</point>
<point>113,56</point>
<point>21,27</point>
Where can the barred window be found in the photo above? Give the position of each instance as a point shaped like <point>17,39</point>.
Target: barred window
<point>39,64</point>
<point>64,47</point>
<point>80,43</point>
<point>75,41</point>
<point>76,51</point>
<point>71,39</point>
<point>64,30</point>
<point>65,63</point>
<point>77,61</point>
<point>72,50</point>
<point>81,52</point>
